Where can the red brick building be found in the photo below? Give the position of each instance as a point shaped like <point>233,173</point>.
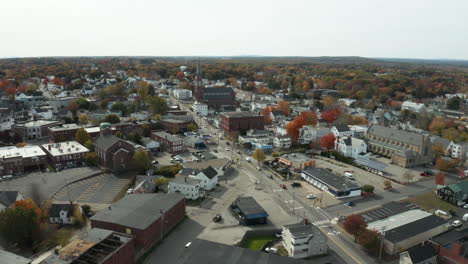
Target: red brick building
<point>68,154</point>
<point>240,122</point>
<point>168,142</point>
<point>173,126</point>
<point>148,217</point>
<point>15,160</point>
<point>114,153</point>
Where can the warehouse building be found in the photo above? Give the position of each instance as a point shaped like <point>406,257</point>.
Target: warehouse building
<point>340,187</point>
<point>249,211</point>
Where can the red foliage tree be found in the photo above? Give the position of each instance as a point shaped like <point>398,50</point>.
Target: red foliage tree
<point>310,118</point>
<point>327,141</point>
<point>267,115</point>
<point>354,224</point>
<point>331,115</point>
<point>180,75</point>
<point>440,179</point>
<point>284,107</point>
<point>58,81</point>
<point>292,128</point>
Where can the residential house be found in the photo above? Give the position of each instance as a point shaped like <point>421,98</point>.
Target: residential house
<point>63,214</point>
<point>441,144</point>
<point>168,142</point>
<point>303,241</point>
<point>63,155</point>
<point>277,116</point>
<point>309,134</point>
<point>420,254</point>
<point>456,193</point>
<point>200,108</point>
<point>406,149</point>
<point>458,150</point>
<point>35,98</point>
<point>341,131</point>
<point>15,160</point>
<point>187,186</point>
<point>350,146</point>
<point>147,216</point>
<point>208,178</point>
<point>412,106</point>
<point>9,198</point>
<point>150,144</point>
<point>113,152</point>
<point>282,142</point>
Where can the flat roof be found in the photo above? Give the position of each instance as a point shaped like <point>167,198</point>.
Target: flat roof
<point>24,152</point>
<point>9,258</point>
<point>387,210</point>
<point>450,236</point>
<point>249,206</point>
<point>167,136</point>
<point>296,157</point>
<point>65,127</point>
<point>330,179</point>
<point>64,148</point>
<point>138,210</point>
<point>414,228</point>
<point>398,220</point>
<point>240,114</point>
<point>37,123</point>
<point>207,252</point>
<point>302,230</point>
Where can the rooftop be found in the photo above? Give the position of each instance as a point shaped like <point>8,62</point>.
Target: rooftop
<point>395,134</point>
<point>414,228</point>
<point>24,152</point>
<point>139,210</point>
<point>398,220</point>
<point>64,148</point>
<point>240,114</point>
<point>9,258</point>
<point>185,180</point>
<point>450,236</point>
<point>64,127</point>
<point>38,123</point>
<point>167,136</point>
<point>296,157</point>
<point>207,252</point>
<point>249,206</point>
<point>215,163</point>
<point>387,210</point>
<point>421,252</point>
<point>301,230</point>
<point>330,179</point>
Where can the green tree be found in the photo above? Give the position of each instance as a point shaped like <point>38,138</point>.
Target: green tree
<point>141,160</point>
<point>157,105</point>
<point>192,127</point>
<point>82,103</point>
<point>83,119</point>
<point>259,155</point>
<point>113,119</point>
<point>120,107</point>
<point>82,136</point>
<point>89,145</point>
<point>91,158</point>
<point>368,188</point>
<point>161,181</point>
<point>454,103</point>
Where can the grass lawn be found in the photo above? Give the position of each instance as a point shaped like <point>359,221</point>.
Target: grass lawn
<point>257,242</point>
<point>430,201</point>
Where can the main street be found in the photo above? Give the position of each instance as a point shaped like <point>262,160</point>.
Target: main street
<point>338,242</point>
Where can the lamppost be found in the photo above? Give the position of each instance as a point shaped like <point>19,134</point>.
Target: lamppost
<point>162,220</point>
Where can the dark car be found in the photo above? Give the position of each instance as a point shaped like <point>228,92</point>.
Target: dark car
<point>349,204</point>
<point>215,151</point>
<point>217,218</point>
<point>296,184</point>
<point>297,171</point>
<point>282,186</point>
<point>453,212</point>
<point>227,143</point>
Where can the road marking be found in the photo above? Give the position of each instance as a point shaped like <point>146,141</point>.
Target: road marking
<point>344,250</point>
<point>321,223</point>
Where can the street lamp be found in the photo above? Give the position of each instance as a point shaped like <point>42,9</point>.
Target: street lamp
<point>162,220</point>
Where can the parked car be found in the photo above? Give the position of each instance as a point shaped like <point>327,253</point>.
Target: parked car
<point>238,152</point>
<point>350,204</point>
<point>217,218</point>
<point>154,162</point>
<point>311,196</point>
<point>453,212</point>
<point>349,175</point>
<point>7,177</point>
<point>270,176</point>
<point>296,184</point>
<point>188,244</point>
<point>465,206</point>
<point>282,186</point>
<point>227,143</point>
<point>130,191</point>
<point>215,151</point>
<point>456,223</point>
<point>271,250</point>
<point>247,159</point>
<point>227,149</point>
<point>297,171</point>
<point>424,174</point>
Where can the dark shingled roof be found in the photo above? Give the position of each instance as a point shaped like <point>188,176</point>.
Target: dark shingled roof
<point>210,172</point>
<point>105,142</point>
<point>395,134</point>
<point>138,210</point>
<point>421,253</point>
<point>450,236</point>
<point>342,128</point>
<point>56,208</point>
<point>249,207</point>
<point>207,252</point>
<point>7,198</point>
<point>414,228</point>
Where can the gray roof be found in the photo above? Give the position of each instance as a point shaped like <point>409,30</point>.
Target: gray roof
<point>10,258</point>
<point>7,198</point>
<point>450,237</point>
<point>138,210</point>
<point>185,180</point>
<point>342,128</point>
<point>106,141</point>
<point>167,136</point>
<point>395,134</point>
<point>218,93</point>
<point>249,206</point>
<point>422,252</point>
<point>207,252</point>
<point>240,114</point>
<point>301,230</point>
<point>330,179</point>
<point>210,172</point>
<point>414,228</point>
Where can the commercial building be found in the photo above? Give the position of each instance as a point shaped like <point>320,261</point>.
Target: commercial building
<point>249,211</point>
<point>98,246</point>
<point>406,236</point>
<point>174,126</point>
<point>340,187</point>
<point>215,96</point>
<point>240,122</point>
<point>63,155</point>
<point>406,149</point>
<point>200,108</point>
<point>15,160</point>
<point>203,252</point>
<point>456,193</point>
<point>187,186</point>
<point>168,142</point>
<point>182,94</point>
<point>282,142</point>
<point>296,160</point>
<point>303,241</point>
<point>412,106</point>
<point>451,246</point>
<point>34,129</point>
<point>148,217</point>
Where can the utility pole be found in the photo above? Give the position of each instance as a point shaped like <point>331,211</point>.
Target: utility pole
<point>162,220</point>
<point>293,200</point>
<point>381,242</point>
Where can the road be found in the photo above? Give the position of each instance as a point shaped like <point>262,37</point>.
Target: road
<point>338,242</point>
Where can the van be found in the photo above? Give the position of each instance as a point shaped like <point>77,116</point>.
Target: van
<point>349,175</point>
<point>247,159</point>
<point>7,177</point>
<point>441,213</point>
<point>465,217</point>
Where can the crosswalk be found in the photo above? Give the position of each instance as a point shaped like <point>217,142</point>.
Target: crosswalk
<point>322,223</point>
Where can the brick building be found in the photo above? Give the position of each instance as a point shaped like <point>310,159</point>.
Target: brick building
<point>241,122</point>
<point>68,154</point>
<point>15,160</point>
<point>173,126</point>
<point>34,129</point>
<point>148,217</point>
<point>169,143</point>
<point>113,152</point>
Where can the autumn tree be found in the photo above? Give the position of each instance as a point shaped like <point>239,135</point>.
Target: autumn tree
<point>440,179</point>
<point>267,115</point>
<point>370,240</point>
<point>354,224</point>
<point>259,155</point>
<point>292,129</point>
<point>309,118</point>
<point>408,176</point>
<point>83,119</point>
<point>331,115</point>
<point>328,101</point>
<point>445,165</point>
<point>141,160</point>
<point>437,125</point>
<point>327,141</point>
<point>91,158</point>
<point>82,136</point>
<point>284,107</point>
<point>157,105</point>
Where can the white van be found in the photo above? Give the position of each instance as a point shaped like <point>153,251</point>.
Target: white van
<point>247,159</point>
<point>441,213</point>
<point>465,217</point>
<point>349,175</point>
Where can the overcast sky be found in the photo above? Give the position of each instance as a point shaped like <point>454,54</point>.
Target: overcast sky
<point>369,28</point>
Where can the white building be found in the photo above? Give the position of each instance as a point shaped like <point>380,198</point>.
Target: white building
<point>341,131</point>
<point>282,142</point>
<point>412,106</point>
<point>302,241</point>
<point>187,186</point>
<point>346,101</point>
<point>208,178</point>
<point>358,131</point>
<point>309,134</point>
<point>182,94</point>
<point>458,150</point>
<point>350,146</point>
<point>6,122</point>
<point>200,108</point>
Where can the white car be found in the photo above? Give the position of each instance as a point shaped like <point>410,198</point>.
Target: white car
<point>271,250</point>
<point>311,196</point>
<point>465,206</point>
<point>227,149</point>
<point>456,223</point>
<point>130,191</point>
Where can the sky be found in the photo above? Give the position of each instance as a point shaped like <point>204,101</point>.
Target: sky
<point>426,29</point>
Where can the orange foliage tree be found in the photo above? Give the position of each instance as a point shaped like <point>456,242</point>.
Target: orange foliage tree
<point>331,115</point>
<point>327,141</point>
<point>284,107</point>
<point>267,115</point>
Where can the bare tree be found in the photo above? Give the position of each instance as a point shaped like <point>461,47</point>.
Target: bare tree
<point>36,193</point>
<point>408,176</point>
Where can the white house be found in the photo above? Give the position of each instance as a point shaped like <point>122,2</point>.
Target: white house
<point>182,94</point>
<point>62,213</point>
<point>200,108</point>
<point>302,241</point>
<point>412,106</point>
<point>282,142</point>
<point>341,131</point>
<point>458,150</point>
<point>187,186</point>
<point>208,178</point>
<point>6,122</point>
<point>346,101</point>
<point>309,133</point>
<point>350,146</point>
